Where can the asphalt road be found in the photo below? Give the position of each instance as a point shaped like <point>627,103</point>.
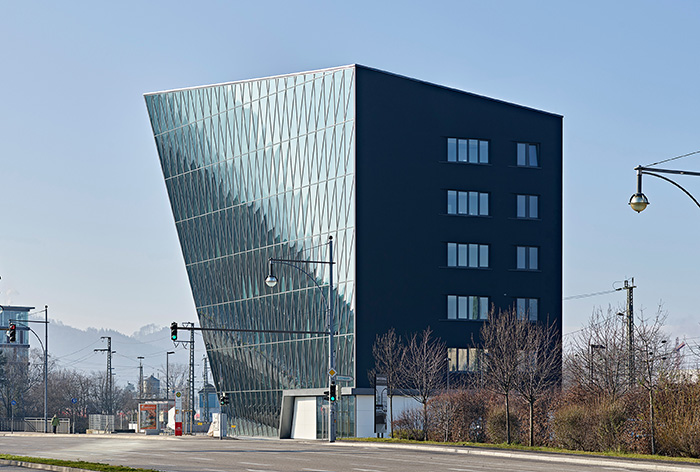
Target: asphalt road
<point>200,454</point>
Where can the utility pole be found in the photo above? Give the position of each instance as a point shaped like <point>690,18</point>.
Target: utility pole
<point>629,287</point>
<point>190,379</point>
<point>46,365</point>
<point>206,394</point>
<point>108,379</point>
<point>140,358</point>
<point>167,376</point>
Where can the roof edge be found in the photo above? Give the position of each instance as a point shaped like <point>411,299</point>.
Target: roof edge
<point>373,69</point>
<point>249,80</point>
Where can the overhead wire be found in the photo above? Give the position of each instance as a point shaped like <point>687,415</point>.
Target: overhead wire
<point>673,158</point>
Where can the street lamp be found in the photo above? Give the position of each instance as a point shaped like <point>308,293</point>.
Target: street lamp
<point>638,202</point>
<point>271,281</point>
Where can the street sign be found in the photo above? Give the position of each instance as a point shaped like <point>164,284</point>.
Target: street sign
<point>332,372</point>
<point>344,378</point>
<point>14,403</point>
<point>74,400</point>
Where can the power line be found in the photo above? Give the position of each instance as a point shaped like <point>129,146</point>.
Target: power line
<point>673,158</point>
<point>586,295</point>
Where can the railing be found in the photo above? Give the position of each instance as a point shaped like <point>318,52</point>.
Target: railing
<point>33,425</point>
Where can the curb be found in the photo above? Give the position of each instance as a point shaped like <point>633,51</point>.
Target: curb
<point>34,465</point>
<point>635,464</point>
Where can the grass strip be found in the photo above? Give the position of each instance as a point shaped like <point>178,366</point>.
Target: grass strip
<point>98,466</point>
<point>520,447</point>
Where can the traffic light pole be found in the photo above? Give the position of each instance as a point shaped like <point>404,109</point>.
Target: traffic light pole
<point>271,281</point>
<point>45,347</point>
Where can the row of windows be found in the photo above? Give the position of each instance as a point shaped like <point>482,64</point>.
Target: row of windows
<point>473,151</point>
<point>467,203</point>
<point>476,151</point>
<point>477,256</point>
<point>465,359</point>
<point>473,307</point>
<point>473,359</point>
<point>467,307</point>
<point>471,203</point>
<point>467,255</point>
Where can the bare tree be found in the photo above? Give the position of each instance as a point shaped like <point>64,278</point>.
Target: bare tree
<point>423,368</point>
<point>596,359</point>
<point>654,360</point>
<point>387,351</point>
<point>540,366</point>
<point>503,339</point>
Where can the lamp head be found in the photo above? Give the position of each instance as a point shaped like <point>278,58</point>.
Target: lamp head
<point>638,202</point>
<point>271,280</point>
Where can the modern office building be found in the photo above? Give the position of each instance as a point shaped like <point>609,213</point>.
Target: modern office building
<point>442,205</point>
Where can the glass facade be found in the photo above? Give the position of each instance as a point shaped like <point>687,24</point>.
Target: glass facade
<point>259,169</point>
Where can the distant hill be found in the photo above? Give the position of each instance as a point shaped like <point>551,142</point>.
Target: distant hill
<point>73,348</point>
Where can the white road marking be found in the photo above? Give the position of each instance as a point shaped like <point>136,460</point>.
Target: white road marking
<point>254,463</point>
<point>203,458</point>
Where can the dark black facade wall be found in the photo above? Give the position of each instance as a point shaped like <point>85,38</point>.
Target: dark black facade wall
<point>402,176</point>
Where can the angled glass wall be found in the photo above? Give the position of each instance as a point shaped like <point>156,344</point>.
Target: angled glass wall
<point>258,169</point>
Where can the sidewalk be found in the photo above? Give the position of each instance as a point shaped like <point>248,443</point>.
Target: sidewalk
<point>597,461</point>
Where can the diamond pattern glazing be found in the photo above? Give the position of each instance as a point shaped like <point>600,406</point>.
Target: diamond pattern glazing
<point>258,169</point>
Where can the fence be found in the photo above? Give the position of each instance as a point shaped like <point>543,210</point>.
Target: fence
<point>102,423</point>
<point>34,425</point>
<point>11,424</point>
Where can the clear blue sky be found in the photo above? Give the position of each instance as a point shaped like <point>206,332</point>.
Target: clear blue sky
<point>85,222</point>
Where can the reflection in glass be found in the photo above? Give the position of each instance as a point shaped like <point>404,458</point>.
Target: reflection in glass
<point>245,186</point>
<point>451,307</point>
<point>532,262</point>
<point>473,151</point>
<point>462,150</point>
<point>532,207</point>
<point>484,204</point>
<point>463,203</point>
<point>521,251</point>
<point>473,203</point>
<point>451,150</point>
<point>451,202</point>
<point>451,254</point>
<point>483,152</point>
<point>532,155</point>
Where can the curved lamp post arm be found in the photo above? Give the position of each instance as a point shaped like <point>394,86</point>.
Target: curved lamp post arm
<point>292,264</point>
<point>639,201</point>
<point>674,183</point>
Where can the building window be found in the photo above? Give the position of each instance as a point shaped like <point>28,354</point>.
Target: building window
<point>467,307</point>
<point>527,206</point>
<point>526,308</point>
<point>527,257</point>
<point>468,255</point>
<point>528,155</point>
<point>465,359</point>
<point>472,151</point>
<point>467,203</point>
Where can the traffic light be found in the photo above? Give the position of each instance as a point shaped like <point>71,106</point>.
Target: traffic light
<point>332,397</point>
<point>173,331</point>
<point>12,333</point>
<point>223,399</point>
